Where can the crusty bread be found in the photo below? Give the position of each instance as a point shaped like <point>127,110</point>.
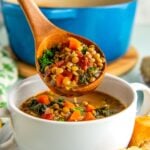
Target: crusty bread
<point>141,131</point>
<point>133,148</point>
<point>145,145</point>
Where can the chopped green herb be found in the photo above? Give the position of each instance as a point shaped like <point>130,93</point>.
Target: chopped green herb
<point>84,50</point>
<point>81,109</point>
<point>84,79</point>
<point>46,59</point>
<point>92,69</point>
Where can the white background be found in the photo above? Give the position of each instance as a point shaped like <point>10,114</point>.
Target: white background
<point>143,12</point>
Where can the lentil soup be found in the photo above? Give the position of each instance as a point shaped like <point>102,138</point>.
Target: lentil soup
<point>71,64</point>
<point>92,106</point>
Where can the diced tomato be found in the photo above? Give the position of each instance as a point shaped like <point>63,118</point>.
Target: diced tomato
<point>80,55</point>
<point>74,44</point>
<point>60,63</point>
<point>89,116</point>
<point>44,99</point>
<point>59,80</point>
<point>76,116</point>
<point>84,63</point>
<point>68,74</point>
<point>47,116</point>
<point>69,104</point>
<point>90,108</point>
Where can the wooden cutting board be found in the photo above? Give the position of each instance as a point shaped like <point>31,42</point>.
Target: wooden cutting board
<point>118,67</point>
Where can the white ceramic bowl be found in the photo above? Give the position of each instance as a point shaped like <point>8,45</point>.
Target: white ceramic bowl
<point>110,133</point>
<point>6,131</point>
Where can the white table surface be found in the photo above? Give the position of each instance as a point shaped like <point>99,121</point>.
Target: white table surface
<point>140,39</point>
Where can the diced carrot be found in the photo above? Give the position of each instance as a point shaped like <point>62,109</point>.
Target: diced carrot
<point>74,43</point>
<point>90,108</point>
<point>59,80</point>
<point>76,116</point>
<point>89,116</point>
<point>69,104</point>
<point>44,99</point>
<point>47,116</point>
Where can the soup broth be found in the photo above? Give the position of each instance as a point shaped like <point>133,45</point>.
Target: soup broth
<point>95,105</point>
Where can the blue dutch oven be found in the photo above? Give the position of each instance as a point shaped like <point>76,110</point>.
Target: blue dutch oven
<point>109,26</point>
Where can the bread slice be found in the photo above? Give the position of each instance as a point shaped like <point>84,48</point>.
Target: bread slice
<point>145,145</point>
<point>141,131</point>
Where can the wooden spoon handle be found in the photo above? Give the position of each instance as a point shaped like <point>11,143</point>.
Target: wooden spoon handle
<point>39,24</point>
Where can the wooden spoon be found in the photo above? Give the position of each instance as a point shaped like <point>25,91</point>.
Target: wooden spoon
<point>47,35</point>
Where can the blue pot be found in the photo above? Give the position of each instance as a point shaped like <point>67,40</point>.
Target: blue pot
<point>109,26</point>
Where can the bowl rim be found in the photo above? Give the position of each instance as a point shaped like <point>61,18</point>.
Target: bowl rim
<point>121,4</point>
<point>13,107</point>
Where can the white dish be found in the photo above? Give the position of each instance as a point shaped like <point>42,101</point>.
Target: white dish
<point>6,131</point>
<point>110,133</point>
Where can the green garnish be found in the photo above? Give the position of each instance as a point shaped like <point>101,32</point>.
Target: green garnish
<point>84,50</point>
<point>46,59</point>
<point>83,79</point>
<point>37,107</point>
<point>104,111</point>
<point>92,69</point>
<point>79,108</point>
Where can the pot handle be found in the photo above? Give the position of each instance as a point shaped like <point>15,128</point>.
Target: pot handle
<point>60,13</point>
<point>145,106</point>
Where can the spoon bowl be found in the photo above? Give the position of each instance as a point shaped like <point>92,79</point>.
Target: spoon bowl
<point>46,35</point>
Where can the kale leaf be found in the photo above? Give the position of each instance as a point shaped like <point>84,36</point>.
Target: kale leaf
<point>47,57</point>
<point>37,107</point>
<point>104,111</point>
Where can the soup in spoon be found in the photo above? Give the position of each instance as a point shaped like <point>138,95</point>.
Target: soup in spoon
<point>71,64</point>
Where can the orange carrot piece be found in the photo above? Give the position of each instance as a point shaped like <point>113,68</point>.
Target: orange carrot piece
<point>89,116</point>
<point>59,79</point>
<point>76,116</point>
<point>44,99</point>
<point>69,104</point>
<point>90,108</point>
<point>74,43</point>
